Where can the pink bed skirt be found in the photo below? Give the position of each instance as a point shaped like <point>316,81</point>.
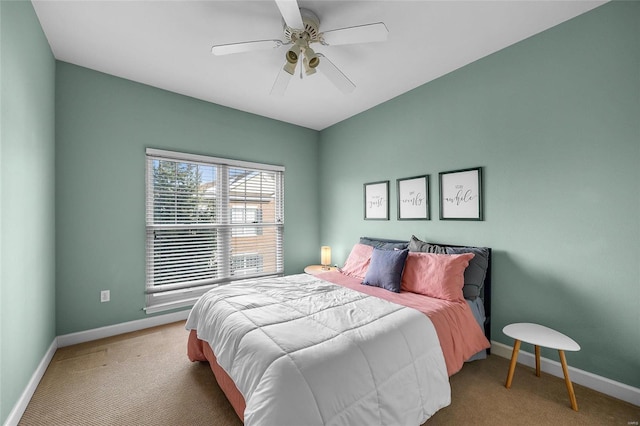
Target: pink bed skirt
<point>199,350</point>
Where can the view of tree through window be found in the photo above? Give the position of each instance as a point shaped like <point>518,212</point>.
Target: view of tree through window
<point>209,223</point>
<point>180,192</point>
<point>183,194</point>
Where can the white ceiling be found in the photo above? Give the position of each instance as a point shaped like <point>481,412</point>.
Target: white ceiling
<point>167,44</point>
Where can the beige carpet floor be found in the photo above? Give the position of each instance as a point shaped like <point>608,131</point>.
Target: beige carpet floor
<point>145,378</point>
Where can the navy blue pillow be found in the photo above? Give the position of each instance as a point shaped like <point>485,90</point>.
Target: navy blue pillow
<point>385,269</point>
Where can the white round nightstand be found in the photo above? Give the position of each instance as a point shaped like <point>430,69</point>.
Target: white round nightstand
<point>539,335</point>
<point>318,269</point>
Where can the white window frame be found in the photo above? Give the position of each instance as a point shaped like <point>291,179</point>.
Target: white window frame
<point>244,213</point>
<point>249,262</point>
<point>182,294</point>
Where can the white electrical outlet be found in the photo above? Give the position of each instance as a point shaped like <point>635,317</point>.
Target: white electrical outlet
<point>105,296</point>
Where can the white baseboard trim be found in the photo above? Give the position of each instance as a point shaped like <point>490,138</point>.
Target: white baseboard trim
<point>609,387</point>
<point>18,409</point>
<point>83,336</point>
<point>116,329</point>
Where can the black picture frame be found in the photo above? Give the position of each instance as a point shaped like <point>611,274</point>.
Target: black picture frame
<point>413,198</point>
<point>376,200</point>
<point>461,194</point>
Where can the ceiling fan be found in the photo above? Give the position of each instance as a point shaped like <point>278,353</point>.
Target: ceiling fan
<point>301,29</point>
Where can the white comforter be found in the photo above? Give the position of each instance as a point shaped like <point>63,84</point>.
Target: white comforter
<point>303,351</point>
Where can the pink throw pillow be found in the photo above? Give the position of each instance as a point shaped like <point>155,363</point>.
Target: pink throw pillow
<point>436,275</point>
<point>358,261</point>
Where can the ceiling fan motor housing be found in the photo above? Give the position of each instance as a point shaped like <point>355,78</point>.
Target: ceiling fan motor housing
<point>310,32</point>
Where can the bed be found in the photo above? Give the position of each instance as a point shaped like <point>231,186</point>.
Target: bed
<point>372,343</point>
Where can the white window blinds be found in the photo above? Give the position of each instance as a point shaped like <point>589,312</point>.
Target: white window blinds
<point>209,221</point>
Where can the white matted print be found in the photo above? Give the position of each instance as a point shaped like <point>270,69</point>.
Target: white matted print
<point>413,198</point>
<point>461,194</point>
<point>376,200</point>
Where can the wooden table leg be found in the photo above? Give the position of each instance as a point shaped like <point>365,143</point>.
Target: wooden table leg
<point>512,366</point>
<point>537,360</point>
<point>565,370</point>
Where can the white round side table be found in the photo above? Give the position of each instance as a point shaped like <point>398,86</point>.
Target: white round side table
<point>318,269</point>
<point>539,335</point>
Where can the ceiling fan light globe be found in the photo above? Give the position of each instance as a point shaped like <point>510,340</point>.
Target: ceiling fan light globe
<point>292,58</point>
<point>308,69</point>
<point>290,67</point>
<point>293,54</point>
<point>311,57</point>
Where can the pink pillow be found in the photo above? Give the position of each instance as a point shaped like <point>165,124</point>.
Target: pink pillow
<point>358,261</point>
<point>436,275</point>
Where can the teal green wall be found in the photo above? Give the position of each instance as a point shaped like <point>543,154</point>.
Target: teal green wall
<point>27,261</point>
<point>103,125</point>
<point>554,120</point>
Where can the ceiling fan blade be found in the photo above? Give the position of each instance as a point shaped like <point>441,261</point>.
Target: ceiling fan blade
<point>358,34</point>
<point>281,83</point>
<point>334,75</point>
<point>291,13</point>
<point>247,46</point>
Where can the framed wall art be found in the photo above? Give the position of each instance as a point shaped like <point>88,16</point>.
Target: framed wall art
<point>413,198</point>
<point>376,200</point>
<point>461,194</point>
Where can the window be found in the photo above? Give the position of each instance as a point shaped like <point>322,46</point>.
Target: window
<point>246,264</point>
<point>248,214</point>
<point>209,221</point>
